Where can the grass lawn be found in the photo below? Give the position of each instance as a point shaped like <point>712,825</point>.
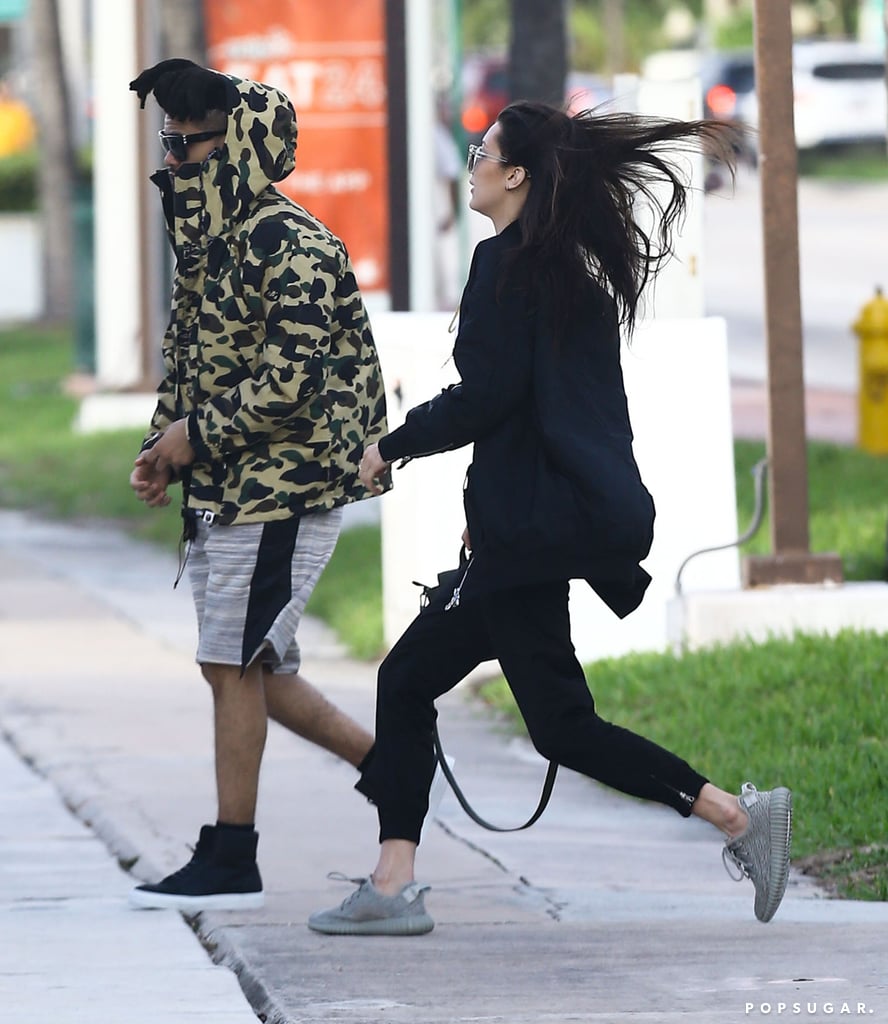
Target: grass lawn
<point>810,711</point>
<point>845,163</point>
<point>44,465</point>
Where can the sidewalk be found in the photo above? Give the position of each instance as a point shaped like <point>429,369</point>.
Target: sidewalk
<point>606,910</point>
<point>830,414</point>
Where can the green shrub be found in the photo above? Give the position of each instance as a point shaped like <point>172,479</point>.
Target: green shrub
<point>18,182</point>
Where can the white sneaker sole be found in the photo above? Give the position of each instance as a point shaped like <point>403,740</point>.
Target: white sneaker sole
<point>417,924</point>
<point>780,822</point>
<point>195,904</point>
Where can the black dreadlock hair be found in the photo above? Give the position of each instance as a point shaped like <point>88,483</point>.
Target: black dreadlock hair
<point>184,90</point>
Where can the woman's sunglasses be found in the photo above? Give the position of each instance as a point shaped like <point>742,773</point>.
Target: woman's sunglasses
<point>177,143</point>
<point>477,153</point>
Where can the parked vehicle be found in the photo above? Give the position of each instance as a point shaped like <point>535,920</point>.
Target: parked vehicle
<point>728,82</point>
<point>839,94</point>
<point>839,91</point>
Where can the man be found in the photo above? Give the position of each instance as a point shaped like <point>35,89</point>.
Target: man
<point>272,387</point>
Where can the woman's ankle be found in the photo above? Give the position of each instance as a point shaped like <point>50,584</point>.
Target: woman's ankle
<point>721,809</point>
<point>394,869</point>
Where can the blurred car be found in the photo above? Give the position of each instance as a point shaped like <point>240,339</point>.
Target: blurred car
<point>839,94</point>
<point>486,91</point>
<point>728,83</point>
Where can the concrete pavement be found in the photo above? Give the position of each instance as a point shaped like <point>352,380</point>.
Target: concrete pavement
<point>607,910</point>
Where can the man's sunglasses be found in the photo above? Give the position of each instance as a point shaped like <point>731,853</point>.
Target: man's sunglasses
<point>177,143</point>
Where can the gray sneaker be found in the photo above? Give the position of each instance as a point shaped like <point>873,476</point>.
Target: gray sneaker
<point>761,851</point>
<point>368,912</point>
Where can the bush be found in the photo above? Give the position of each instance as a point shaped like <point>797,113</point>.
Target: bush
<point>18,182</point>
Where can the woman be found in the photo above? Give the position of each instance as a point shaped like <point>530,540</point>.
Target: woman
<point>553,492</point>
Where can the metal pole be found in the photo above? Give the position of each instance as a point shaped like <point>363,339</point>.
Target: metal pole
<point>788,465</point>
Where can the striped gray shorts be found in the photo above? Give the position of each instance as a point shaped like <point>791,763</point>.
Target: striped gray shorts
<point>251,583</point>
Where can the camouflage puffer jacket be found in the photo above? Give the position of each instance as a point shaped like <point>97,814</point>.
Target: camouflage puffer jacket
<point>268,352</point>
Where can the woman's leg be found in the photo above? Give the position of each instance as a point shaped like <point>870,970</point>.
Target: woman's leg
<point>530,632</point>
<point>437,651</point>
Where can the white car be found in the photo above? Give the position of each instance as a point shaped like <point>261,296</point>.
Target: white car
<point>840,94</point>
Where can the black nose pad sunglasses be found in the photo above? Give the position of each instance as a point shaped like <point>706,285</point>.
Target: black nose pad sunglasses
<point>177,143</point>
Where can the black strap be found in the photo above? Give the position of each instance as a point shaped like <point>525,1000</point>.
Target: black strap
<point>548,784</point>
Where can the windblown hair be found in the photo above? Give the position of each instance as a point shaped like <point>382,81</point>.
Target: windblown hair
<point>591,174</point>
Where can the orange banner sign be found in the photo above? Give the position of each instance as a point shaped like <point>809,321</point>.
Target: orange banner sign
<point>329,58</point>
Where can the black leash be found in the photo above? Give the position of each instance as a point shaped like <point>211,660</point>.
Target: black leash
<point>548,784</point>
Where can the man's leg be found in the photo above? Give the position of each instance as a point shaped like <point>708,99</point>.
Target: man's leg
<point>223,874</point>
<point>241,725</point>
<point>295,704</point>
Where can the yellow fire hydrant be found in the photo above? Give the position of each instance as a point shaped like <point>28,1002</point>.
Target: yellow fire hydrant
<point>872,409</point>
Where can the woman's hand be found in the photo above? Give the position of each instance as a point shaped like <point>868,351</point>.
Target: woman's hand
<point>373,469</point>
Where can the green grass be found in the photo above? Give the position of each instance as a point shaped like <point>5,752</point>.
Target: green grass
<point>807,712</point>
<point>44,464</point>
<point>847,499</point>
<point>348,594</point>
<point>845,163</point>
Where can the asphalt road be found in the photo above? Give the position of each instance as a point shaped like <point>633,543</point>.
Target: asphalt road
<point>843,255</point>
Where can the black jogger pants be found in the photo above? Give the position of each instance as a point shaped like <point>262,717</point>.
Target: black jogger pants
<point>526,629</point>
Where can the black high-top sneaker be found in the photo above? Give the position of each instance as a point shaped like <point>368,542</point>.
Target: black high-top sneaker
<point>221,875</point>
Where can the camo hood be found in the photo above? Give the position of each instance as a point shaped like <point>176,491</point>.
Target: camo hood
<point>259,150</point>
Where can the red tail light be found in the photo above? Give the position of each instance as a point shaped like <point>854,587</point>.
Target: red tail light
<point>722,100</point>
<point>475,120</point>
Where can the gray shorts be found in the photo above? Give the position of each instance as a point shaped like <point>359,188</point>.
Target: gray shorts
<point>251,583</point>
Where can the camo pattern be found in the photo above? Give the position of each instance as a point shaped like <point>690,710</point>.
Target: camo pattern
<point>268,351</point>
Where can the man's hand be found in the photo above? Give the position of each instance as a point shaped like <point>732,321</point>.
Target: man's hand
<point>373,469</point>
<point>172,450</point>
<point>150,483</point>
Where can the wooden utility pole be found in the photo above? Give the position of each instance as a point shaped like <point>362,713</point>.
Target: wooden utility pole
<point>791,561</point>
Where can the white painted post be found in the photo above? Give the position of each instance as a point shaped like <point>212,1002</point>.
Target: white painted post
<point>117,184</point>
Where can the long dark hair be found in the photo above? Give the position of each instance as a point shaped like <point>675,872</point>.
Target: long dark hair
<point>589,174</point>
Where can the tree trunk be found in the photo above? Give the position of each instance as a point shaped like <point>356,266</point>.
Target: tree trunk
<point>56,162</point>
<point>182,30</point>
<point>538,50</point>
